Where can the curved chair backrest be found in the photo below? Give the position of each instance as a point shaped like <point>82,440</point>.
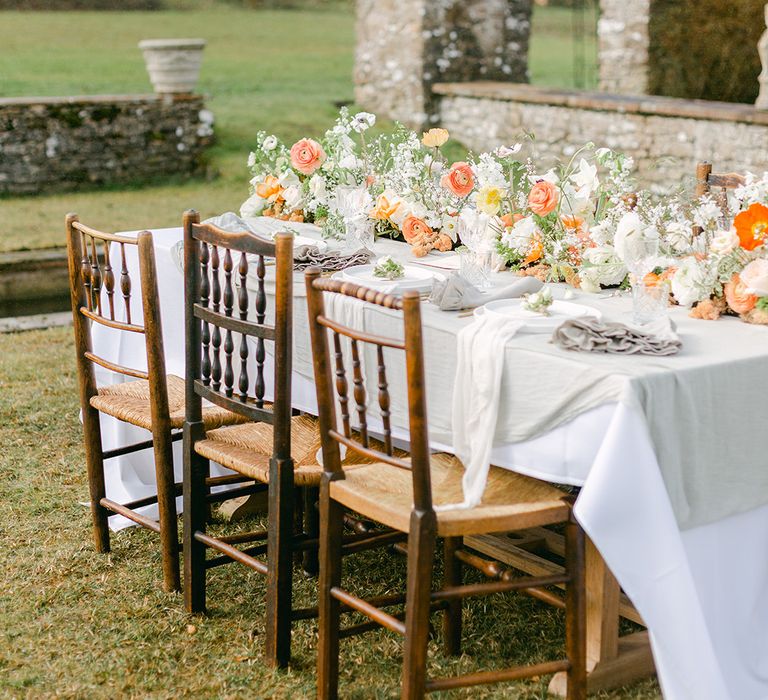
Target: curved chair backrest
<point>217,267</point>
<point>331,398</point>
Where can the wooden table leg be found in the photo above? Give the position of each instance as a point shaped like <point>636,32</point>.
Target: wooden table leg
<point>612,661</point>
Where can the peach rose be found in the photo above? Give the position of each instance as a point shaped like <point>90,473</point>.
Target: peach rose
<point>414,228</point>
<point>307,156</point>
<point>737,296</point>
<point>755,277</point>
<point>510,220</point>
<point>386,206</point>
<point>269,189</point>
<point>542,199</point>
<point>459,179</point>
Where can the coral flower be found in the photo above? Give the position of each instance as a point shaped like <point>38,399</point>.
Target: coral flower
<point>269,189</point>
<point>307,156</point>
<point>542,199</point>
<point>752,226</point>
<point>511,219</point>
<point>459,179</point>
<point>536,251</point>
<point>737,296</point>
<point>415,229</point>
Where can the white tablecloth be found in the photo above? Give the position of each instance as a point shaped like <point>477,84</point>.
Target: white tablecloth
<point>702,592</point>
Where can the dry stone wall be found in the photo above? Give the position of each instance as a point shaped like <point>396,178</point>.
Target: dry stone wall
<point>405,46</point>
<point>665,136</point>
<point>63,143</point>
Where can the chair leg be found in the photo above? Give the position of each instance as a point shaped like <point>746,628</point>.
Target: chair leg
<point>280,561</point>
<point>329,620</point>
<point>195,469</point>
<point>452,577</point>
<point>421,554</point>
<point>575,612</point>
<point>166,502</point>
<point>311,528</point>
<point>95,466</point>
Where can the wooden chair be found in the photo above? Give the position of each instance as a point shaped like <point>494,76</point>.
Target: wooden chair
<point>401,494</point>
<point>716,184</point>
<point>154,401</point>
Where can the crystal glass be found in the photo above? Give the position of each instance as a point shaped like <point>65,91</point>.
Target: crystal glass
<point>359,234</point>
<point>650,300</point>
<point>475,266</point>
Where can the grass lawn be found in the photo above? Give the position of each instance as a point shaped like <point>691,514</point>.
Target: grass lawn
<point>76,624</point>
<point>281,71</point>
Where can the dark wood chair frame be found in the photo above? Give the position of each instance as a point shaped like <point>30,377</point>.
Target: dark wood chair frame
<point>419,599</point>
<point>93,285</point>
<point>706,181</point>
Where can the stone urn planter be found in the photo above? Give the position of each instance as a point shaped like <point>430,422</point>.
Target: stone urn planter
<point>173,64</point>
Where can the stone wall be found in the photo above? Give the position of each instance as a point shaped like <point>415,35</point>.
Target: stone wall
<point>63,143</point>
<point>623,40</point>
<point>665,136</point>
<point>405,46</point>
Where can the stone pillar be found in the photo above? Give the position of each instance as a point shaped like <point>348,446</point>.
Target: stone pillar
<point>623,40</point>
<point>405,46</point>
<point>762,47</point>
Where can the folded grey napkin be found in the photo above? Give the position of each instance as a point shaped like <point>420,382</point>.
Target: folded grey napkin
<point>592,335</point>
<point>305,256</point>
<point>230,222</point>
<point>456,293</point>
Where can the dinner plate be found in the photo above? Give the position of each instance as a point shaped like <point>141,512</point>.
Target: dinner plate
<point>415,279</point>
<point>559,312</point>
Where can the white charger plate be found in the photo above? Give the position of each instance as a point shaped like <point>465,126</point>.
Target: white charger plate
<point>560,311</point>
<point>415,279</point>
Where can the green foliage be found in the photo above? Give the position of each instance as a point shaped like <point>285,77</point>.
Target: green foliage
<point>705,49</point>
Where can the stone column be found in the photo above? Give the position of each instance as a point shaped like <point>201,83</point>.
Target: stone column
<point>405,46</point>
<point>762,47</point>
<point>623,41</point>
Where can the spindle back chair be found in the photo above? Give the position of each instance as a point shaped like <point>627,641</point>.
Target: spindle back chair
<point>218,307</point>
<point>93,286</point>
<point>402,495</point>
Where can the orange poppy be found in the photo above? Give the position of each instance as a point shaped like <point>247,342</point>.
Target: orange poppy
<point>752,226</point>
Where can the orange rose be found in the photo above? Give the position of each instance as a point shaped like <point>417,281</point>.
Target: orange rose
<point>511,219</point>
<point>542,199</point>
<point>737,297</point>
<point>752,226</point>
<point>459,179</point>
<point>269,189</point>
<point>384,208</point>
<point>307,156</point>
<point>415,228</point>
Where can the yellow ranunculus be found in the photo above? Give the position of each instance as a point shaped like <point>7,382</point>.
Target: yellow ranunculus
<point>434,138</point>
<point>489,200</point>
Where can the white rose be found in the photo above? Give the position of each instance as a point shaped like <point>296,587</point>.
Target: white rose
<point>317,189</point>
<point>269,144</point>
<point>605,265</point>
<point>520,236</point>
<point>289,179</point>
<point>629,233</point>
<point>725,242</point>
<point>292,197</point>
<point>252,207</point>
<point>755,277</point>
<point>691,282</point>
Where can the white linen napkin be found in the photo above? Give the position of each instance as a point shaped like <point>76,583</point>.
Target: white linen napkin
<point>476,394</point>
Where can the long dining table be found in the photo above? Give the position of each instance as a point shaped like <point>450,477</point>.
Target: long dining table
<point>675,546</point>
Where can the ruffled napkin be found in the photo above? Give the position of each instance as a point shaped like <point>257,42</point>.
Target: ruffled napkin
<point>592,335</point>
<point>456,293</point>
<point>305,256</point>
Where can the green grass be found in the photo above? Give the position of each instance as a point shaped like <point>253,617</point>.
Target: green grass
<point>76,624</point>
<point>280,71</point>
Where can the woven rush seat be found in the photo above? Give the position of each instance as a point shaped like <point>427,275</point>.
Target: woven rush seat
<point>247,449</point>
<point>385,492</point>
<point>130,402</point>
